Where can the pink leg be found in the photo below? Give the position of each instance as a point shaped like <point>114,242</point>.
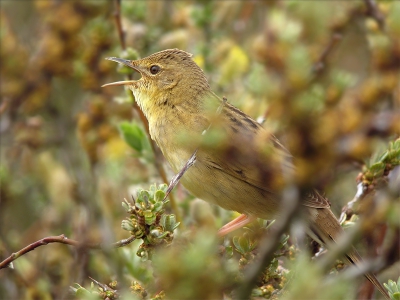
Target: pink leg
<point>237,223</point>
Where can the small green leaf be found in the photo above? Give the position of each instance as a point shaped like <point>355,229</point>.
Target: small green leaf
<point>159,195</point>
<point>393,289</point>
<point>80,291</point>
<point>243,244</point>
<point>229,251</point>
<point>169,222</point>
<point>163,187</point>
<point>149,217</point>
<point>158,206</point>
<point>377,169</point>
<point>153,188</point>
<point>133,135</point>
<point>143,198</point>
<point>125,205</point>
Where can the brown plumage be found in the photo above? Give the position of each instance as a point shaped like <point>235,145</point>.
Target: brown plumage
<point>244,168</point>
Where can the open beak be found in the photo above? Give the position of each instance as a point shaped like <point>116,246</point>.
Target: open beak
<point>126,63</point>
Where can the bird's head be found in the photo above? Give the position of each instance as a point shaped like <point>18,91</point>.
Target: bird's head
<point>166,75</point>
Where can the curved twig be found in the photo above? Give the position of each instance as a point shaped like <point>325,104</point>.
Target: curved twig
<point>62,239</point>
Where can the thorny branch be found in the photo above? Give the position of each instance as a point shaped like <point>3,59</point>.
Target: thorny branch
<point>62,239</point>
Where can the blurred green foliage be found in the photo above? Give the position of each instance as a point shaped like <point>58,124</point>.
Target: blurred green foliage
<point>394,289</point>
<point>322,75</point>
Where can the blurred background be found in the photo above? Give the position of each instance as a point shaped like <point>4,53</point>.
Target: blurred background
<point>324,75</point>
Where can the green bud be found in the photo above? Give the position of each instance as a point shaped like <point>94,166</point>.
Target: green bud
<point>127,225</point>
<point>149,217</point>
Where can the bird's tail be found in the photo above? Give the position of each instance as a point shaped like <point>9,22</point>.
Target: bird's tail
<point>326,229</point>
<point>354,258</point>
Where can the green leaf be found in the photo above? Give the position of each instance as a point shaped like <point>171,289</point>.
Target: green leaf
<point>125,205</point>
<point>377,168</point>
<point>229,251</point>
<point>80,291</point>
<point>163,187</point>
<point>169,222</point>
<point>143,197</point>
<point>393,289</point>
<point>149,217</point>
<point>159,196</point>
<point>133,135</point>
<point>243,244</point>
<point>158,206</point>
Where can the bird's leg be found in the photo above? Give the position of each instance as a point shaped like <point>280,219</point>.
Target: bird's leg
<point>237,223</point>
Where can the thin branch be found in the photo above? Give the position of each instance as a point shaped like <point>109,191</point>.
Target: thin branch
<point>366,188</point>
<point>178,176</point>
<point>361,193</point>
<point>117,18</point>
<point>320,64</point>
<point>123,243</point>
<point>62,239</point>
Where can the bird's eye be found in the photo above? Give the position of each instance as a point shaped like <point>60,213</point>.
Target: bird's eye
<point>154,69</point>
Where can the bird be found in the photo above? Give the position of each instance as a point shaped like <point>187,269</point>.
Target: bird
<point>239,164</point>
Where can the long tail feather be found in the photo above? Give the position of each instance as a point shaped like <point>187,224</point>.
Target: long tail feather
<point>327,229</point>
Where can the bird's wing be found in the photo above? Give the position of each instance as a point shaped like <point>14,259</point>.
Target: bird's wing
<point>252,155</point>
<point>316,200</point>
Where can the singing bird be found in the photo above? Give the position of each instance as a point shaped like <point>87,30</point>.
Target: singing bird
<point>243,169</point>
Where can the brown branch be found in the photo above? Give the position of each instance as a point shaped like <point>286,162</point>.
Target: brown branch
<point>178,176</point>
<point>117,18</point>
<point>123,243</point>
<point>62,239</point>
<point>319,65</point>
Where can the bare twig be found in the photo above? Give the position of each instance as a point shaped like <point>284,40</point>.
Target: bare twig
<point>178,176</point>
<point>124,242</point>
<point>117,18</point>
<point>365,188</point>
<point>62,239</point>
<point>362,191</point>
<point>319,65</point>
